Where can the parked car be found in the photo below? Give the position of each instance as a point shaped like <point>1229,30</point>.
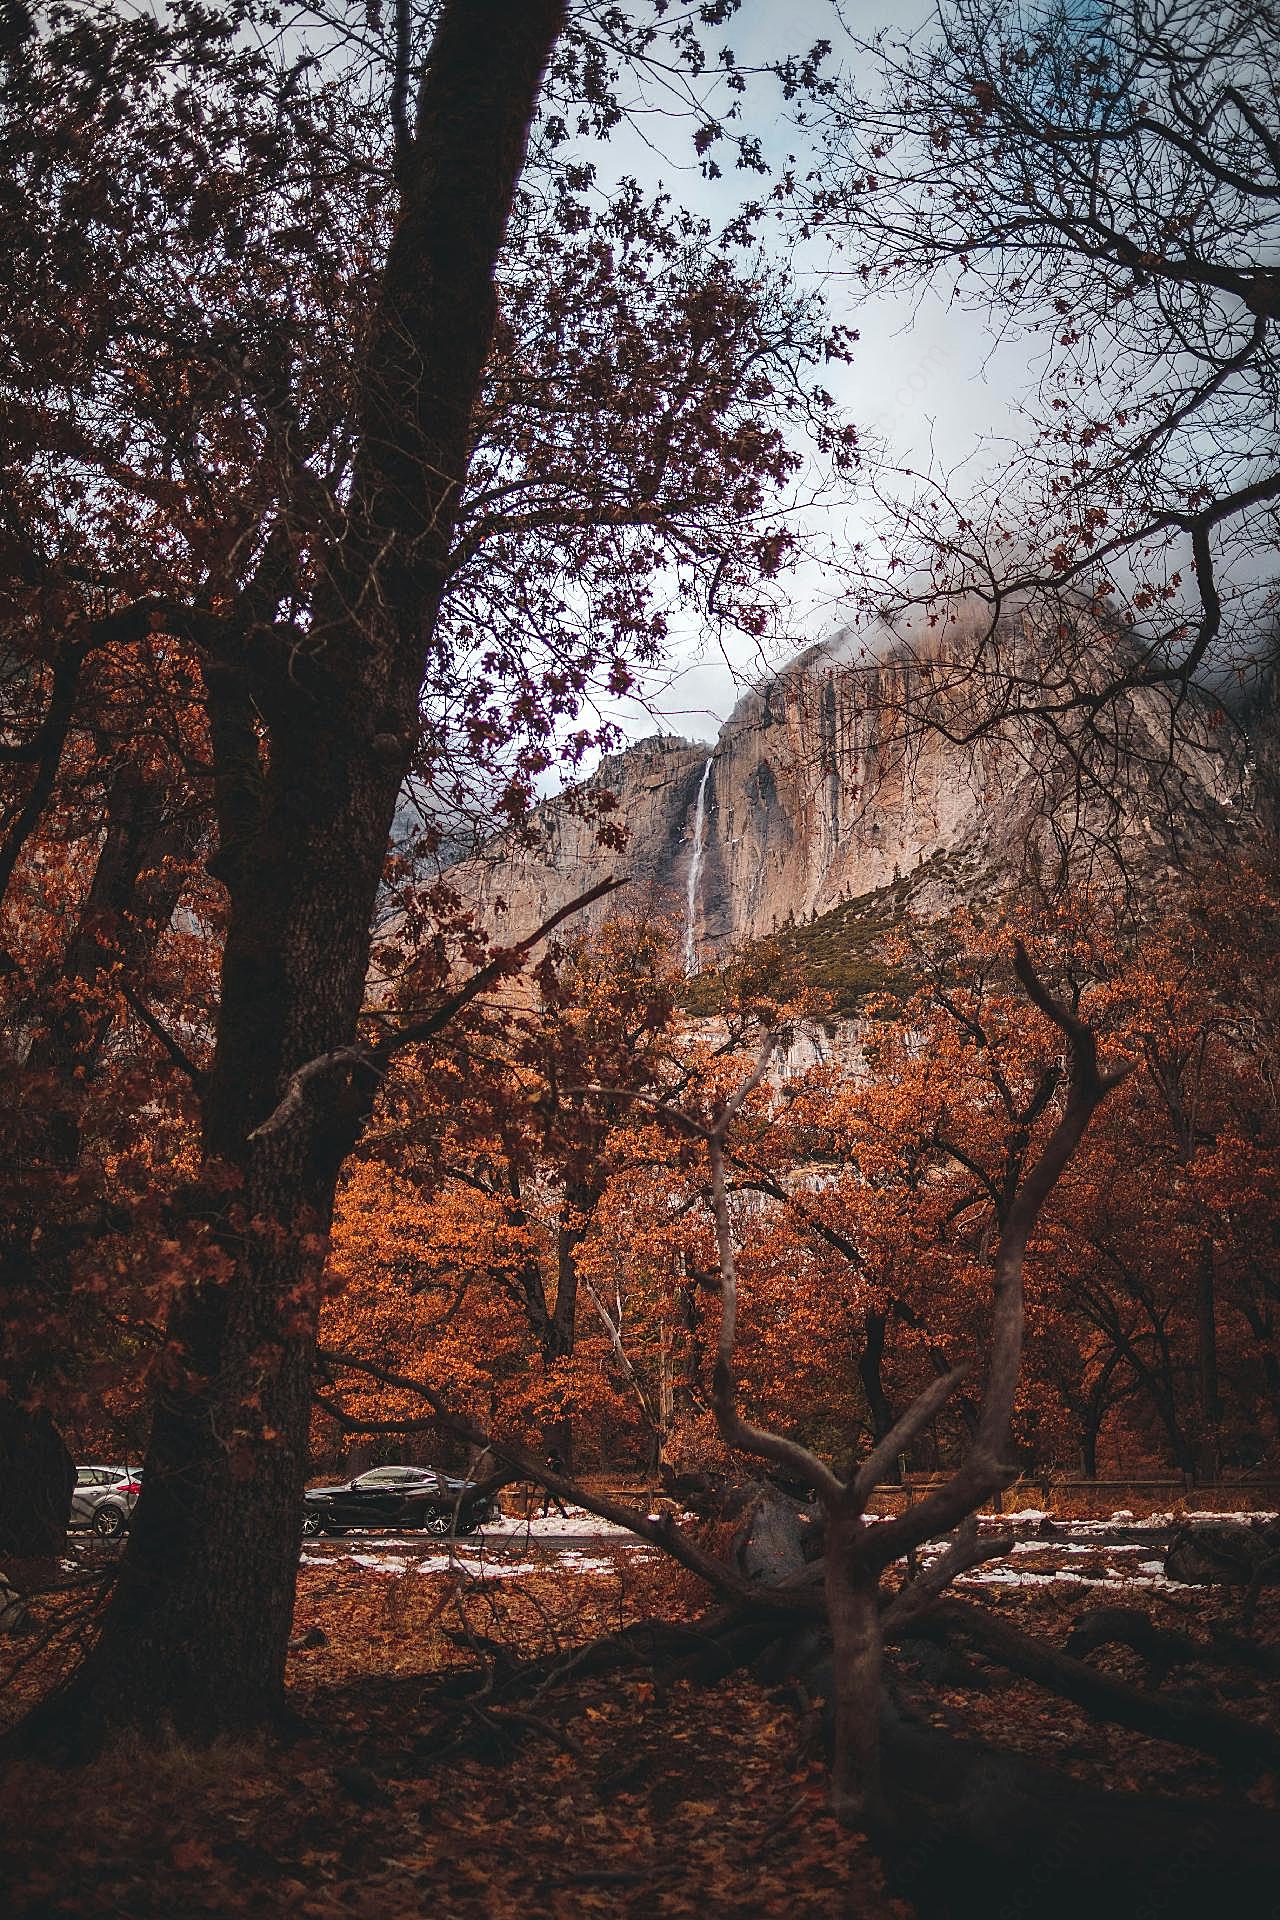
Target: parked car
<point>104,1498</point>
<point>398,1497</point>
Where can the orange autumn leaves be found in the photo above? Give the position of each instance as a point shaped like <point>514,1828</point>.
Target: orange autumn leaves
<point>867,1199</point>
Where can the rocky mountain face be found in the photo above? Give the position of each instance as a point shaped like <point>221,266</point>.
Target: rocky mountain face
<point>851,772</point>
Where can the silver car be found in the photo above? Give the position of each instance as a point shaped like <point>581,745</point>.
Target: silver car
<point>103,1498</point>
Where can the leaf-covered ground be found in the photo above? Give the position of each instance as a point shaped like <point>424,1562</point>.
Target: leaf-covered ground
<point>604,1795</point>
<point>610,1797</point>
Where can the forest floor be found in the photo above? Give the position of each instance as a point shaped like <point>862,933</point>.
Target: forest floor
<point>606,1795</point>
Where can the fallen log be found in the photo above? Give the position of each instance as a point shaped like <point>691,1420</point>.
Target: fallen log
<point>971,1827</point>
<point>1238,1743</point>
<point>1163,1649</point>
<point>1130,1627</point>
<point>975,1829</point>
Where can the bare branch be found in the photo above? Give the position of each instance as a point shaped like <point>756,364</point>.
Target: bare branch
<point>373,1062</point>
<point>485,976</point>
<point>919,1415</point>
<point>159,1032</point>
<point>967,1550</point>
<point>298,1089</point>
<point>663,1533</point>
<point>400,94</point>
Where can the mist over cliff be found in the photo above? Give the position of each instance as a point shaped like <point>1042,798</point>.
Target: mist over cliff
<point>885,758</point>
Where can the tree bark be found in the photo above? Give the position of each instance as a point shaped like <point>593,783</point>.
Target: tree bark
<point>853,1610</point>
<point>560,1330</point>
<point>196,1632</point>
<point>1161,1716</point>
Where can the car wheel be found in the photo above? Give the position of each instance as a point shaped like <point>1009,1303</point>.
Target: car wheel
<point>437,1520</point>
<point>311,1526</point>
<point>469,1526</point>
<point>333,1532</point>
<point>108,1523</point>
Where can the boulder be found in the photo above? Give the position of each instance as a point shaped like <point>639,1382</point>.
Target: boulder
<point>769,1544</point>
<point>13,1608</point>
<point>1227,1553</point>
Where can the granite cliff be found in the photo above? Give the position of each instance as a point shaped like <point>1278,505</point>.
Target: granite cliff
<point>850,772</point>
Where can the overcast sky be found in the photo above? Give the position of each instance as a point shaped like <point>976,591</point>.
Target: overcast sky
<point>927,380</point>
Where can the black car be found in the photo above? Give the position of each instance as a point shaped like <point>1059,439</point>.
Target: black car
<point>398,1497</point>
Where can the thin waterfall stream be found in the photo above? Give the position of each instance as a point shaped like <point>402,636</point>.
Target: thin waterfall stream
<point>695,869</point>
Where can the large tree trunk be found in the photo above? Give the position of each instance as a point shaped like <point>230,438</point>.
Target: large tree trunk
<point>1094,1411</point>
<point>197,1628</point>
<point>853,1609</point>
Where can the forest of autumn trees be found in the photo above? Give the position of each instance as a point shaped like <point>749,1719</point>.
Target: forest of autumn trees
<point>248,593</point>
<point>868,1194</point>
<point>364,441</point>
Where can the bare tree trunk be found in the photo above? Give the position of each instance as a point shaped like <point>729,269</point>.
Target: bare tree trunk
<point>1089,1443</point>
<point>560,1333</point>
<point>858,1555</point>
<point>1093,1413</point>
<point>853,1610</point>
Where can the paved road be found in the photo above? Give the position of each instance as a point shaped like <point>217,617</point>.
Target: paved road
<point>509,1544</point>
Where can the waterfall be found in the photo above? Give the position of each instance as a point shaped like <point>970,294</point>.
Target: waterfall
<point>695,869</point>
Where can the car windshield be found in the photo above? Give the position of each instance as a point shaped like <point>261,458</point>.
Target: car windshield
<point>391,1476</point>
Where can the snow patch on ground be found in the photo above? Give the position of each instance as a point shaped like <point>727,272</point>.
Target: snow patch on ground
<point>512,1546</point>
<point>505,1550</point>
<point>998,1574</point>
<point>576,1520</point>
<point>588,1563</point>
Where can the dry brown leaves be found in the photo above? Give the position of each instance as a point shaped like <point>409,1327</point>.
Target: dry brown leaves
<point>608,1796</point>
<point>660,1802</point>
